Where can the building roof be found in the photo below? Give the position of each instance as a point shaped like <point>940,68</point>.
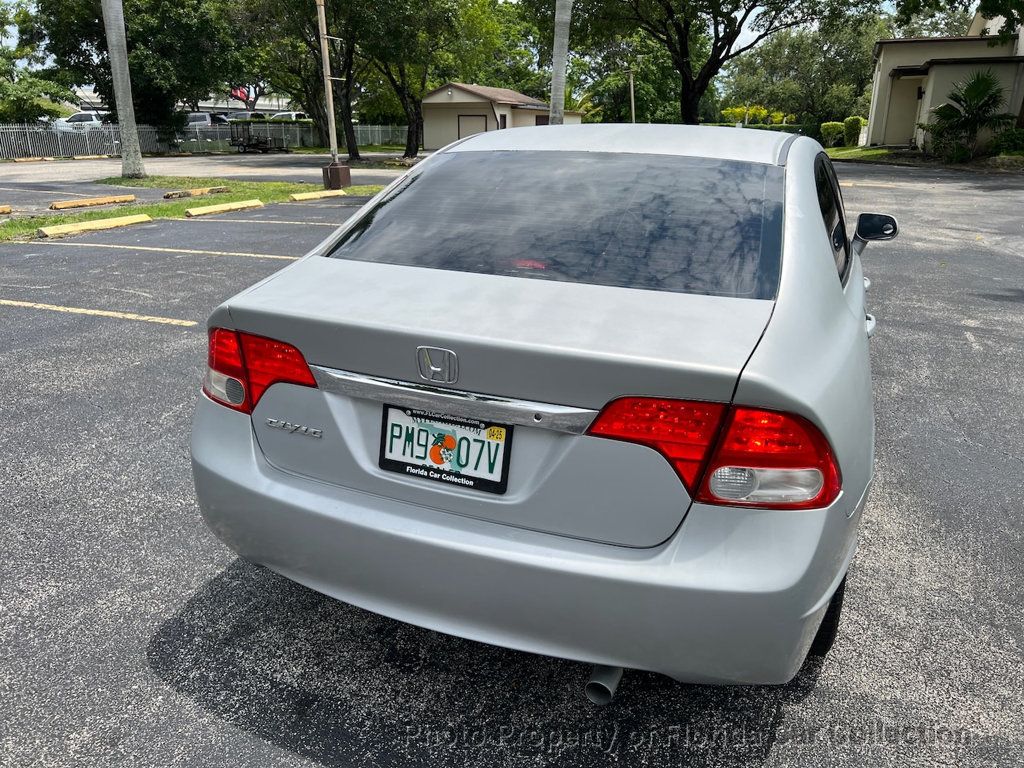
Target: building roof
<point>744,144</point>
<point>919,70</point>
<point>995,39</point>
<point>498,95</point>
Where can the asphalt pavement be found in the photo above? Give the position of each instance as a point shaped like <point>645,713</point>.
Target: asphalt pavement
<point>130,636</point>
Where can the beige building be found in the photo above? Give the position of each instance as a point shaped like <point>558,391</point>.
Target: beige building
<point>915,75</point>
<point>457,110</point>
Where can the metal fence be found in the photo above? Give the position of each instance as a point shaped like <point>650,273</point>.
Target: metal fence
<point>70,141</point>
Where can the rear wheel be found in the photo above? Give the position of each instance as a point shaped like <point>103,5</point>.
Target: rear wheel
<point>829,628</point>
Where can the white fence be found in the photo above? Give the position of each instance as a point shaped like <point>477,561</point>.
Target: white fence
<point>69,141</point>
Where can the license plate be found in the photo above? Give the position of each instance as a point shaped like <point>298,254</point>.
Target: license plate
<point>460,452</point>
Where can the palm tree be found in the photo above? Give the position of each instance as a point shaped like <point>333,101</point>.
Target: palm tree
<point>974,105</point>
<point>559,60</point>
<point>117,50</point>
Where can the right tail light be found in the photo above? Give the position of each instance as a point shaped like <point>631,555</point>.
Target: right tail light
<point>730,455</point>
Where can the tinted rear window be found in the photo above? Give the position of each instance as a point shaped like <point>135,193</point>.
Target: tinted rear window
<point>656,222</point>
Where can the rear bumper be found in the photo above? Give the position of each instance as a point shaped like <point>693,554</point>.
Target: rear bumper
<point>735,596</point>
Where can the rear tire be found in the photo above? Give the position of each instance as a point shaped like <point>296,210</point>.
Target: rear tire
<point>829,629</point>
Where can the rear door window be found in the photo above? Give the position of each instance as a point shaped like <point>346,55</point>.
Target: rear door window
<point>831,203</point>
<point>656,222</point>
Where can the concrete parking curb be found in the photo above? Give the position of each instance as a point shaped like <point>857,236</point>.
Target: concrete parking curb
<point>198,192</point>
<point>298,196</point>
<point>89,226</point>
<point>87,202</point>
<point>206,210</point>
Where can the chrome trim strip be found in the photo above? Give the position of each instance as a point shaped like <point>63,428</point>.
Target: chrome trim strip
<point>503,410</point>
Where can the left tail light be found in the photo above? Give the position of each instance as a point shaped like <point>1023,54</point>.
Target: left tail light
<point>241,367</point>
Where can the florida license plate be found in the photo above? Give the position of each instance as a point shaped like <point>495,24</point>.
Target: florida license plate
<point>456,451</point>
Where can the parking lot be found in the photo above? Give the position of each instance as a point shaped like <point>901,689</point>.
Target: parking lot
<point>130,636</point>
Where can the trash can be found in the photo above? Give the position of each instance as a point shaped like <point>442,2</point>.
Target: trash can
<point>337,175</point>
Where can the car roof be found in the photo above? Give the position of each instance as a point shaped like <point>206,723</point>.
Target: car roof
<point>719,142</point>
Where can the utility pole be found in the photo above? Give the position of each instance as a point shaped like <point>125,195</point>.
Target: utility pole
<point>336,175</point>
<point>632,101</point>
<point>117,51</point>
<point>325,58</point>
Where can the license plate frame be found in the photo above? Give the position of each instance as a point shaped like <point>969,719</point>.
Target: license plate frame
<point>424,468</point>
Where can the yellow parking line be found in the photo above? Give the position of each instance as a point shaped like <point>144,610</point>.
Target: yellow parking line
<point>189,251</point>
<point>98,313</point>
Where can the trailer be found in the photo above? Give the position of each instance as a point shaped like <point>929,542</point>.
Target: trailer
<point>245,140</point>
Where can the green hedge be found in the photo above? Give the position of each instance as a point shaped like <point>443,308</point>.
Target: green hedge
<point>1010,140</point>
<point>832,133</point>
<point>851,130</point>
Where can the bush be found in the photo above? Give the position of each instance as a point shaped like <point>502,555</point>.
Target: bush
<point>1010,140</point>
<point>832,133</point>
<point>851,128</point>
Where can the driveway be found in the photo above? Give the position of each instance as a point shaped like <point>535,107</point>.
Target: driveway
<point>252,167</point>
<point>130,636</point>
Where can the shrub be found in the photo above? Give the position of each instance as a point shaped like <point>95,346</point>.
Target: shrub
<point>973,105</point>
<point>852,126</point>
<point>832,133</point>
<point>1010,140</point>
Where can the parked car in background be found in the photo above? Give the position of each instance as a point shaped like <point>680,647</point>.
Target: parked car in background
<point>246,116</point>
<point>620,412</point>
<point>82,121</point>
<point>206,119</point>
<point>288,116</point>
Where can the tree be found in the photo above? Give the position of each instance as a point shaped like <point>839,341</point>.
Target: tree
<point>974,104</point>
<point>177,51</point>
<point>27,90</point>
<point>731,27</point>
<point>503,48</point>
<point>117,53</point>
<point>559,60</point>
<point>818,73</point>
<point>288,35</point>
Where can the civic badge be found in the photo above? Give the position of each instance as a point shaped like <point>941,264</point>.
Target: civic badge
<point>437,365</point>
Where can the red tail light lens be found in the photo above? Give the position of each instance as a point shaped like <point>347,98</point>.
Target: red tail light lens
<point>269,362</point>
<point>734,456</point>
<point>680,430</point>
<point>241,367</point>
<point>767,458</point>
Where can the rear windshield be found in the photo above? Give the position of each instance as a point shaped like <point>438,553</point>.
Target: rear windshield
<point>656,222</point>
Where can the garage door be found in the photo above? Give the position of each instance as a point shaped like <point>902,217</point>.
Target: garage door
<point>470,124</point>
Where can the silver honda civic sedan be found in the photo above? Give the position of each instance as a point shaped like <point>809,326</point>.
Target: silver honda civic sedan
<point>599,392</point>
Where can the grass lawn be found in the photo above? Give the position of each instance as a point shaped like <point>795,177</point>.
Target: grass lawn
<point>267,191</point>
<point>877,154</point>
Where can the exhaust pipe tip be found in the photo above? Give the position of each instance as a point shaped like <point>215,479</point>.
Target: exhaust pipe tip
<point>604,681</point>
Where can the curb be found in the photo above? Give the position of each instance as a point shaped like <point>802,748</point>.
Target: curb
<point>206,210</point>
<point>89,226</point>
<point>198,192</point>
<point>316,195</point>
<point>87,202</point>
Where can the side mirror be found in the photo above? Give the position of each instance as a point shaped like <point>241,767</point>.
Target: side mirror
<point>874,226</point>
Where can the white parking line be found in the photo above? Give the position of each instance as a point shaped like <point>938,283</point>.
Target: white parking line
<point>45,192</point>
<point>158,249</point>
<point>262,221</point>
<point>98,313</point>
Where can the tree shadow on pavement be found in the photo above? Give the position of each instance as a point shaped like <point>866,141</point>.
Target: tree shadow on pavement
<point>342,686</point>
